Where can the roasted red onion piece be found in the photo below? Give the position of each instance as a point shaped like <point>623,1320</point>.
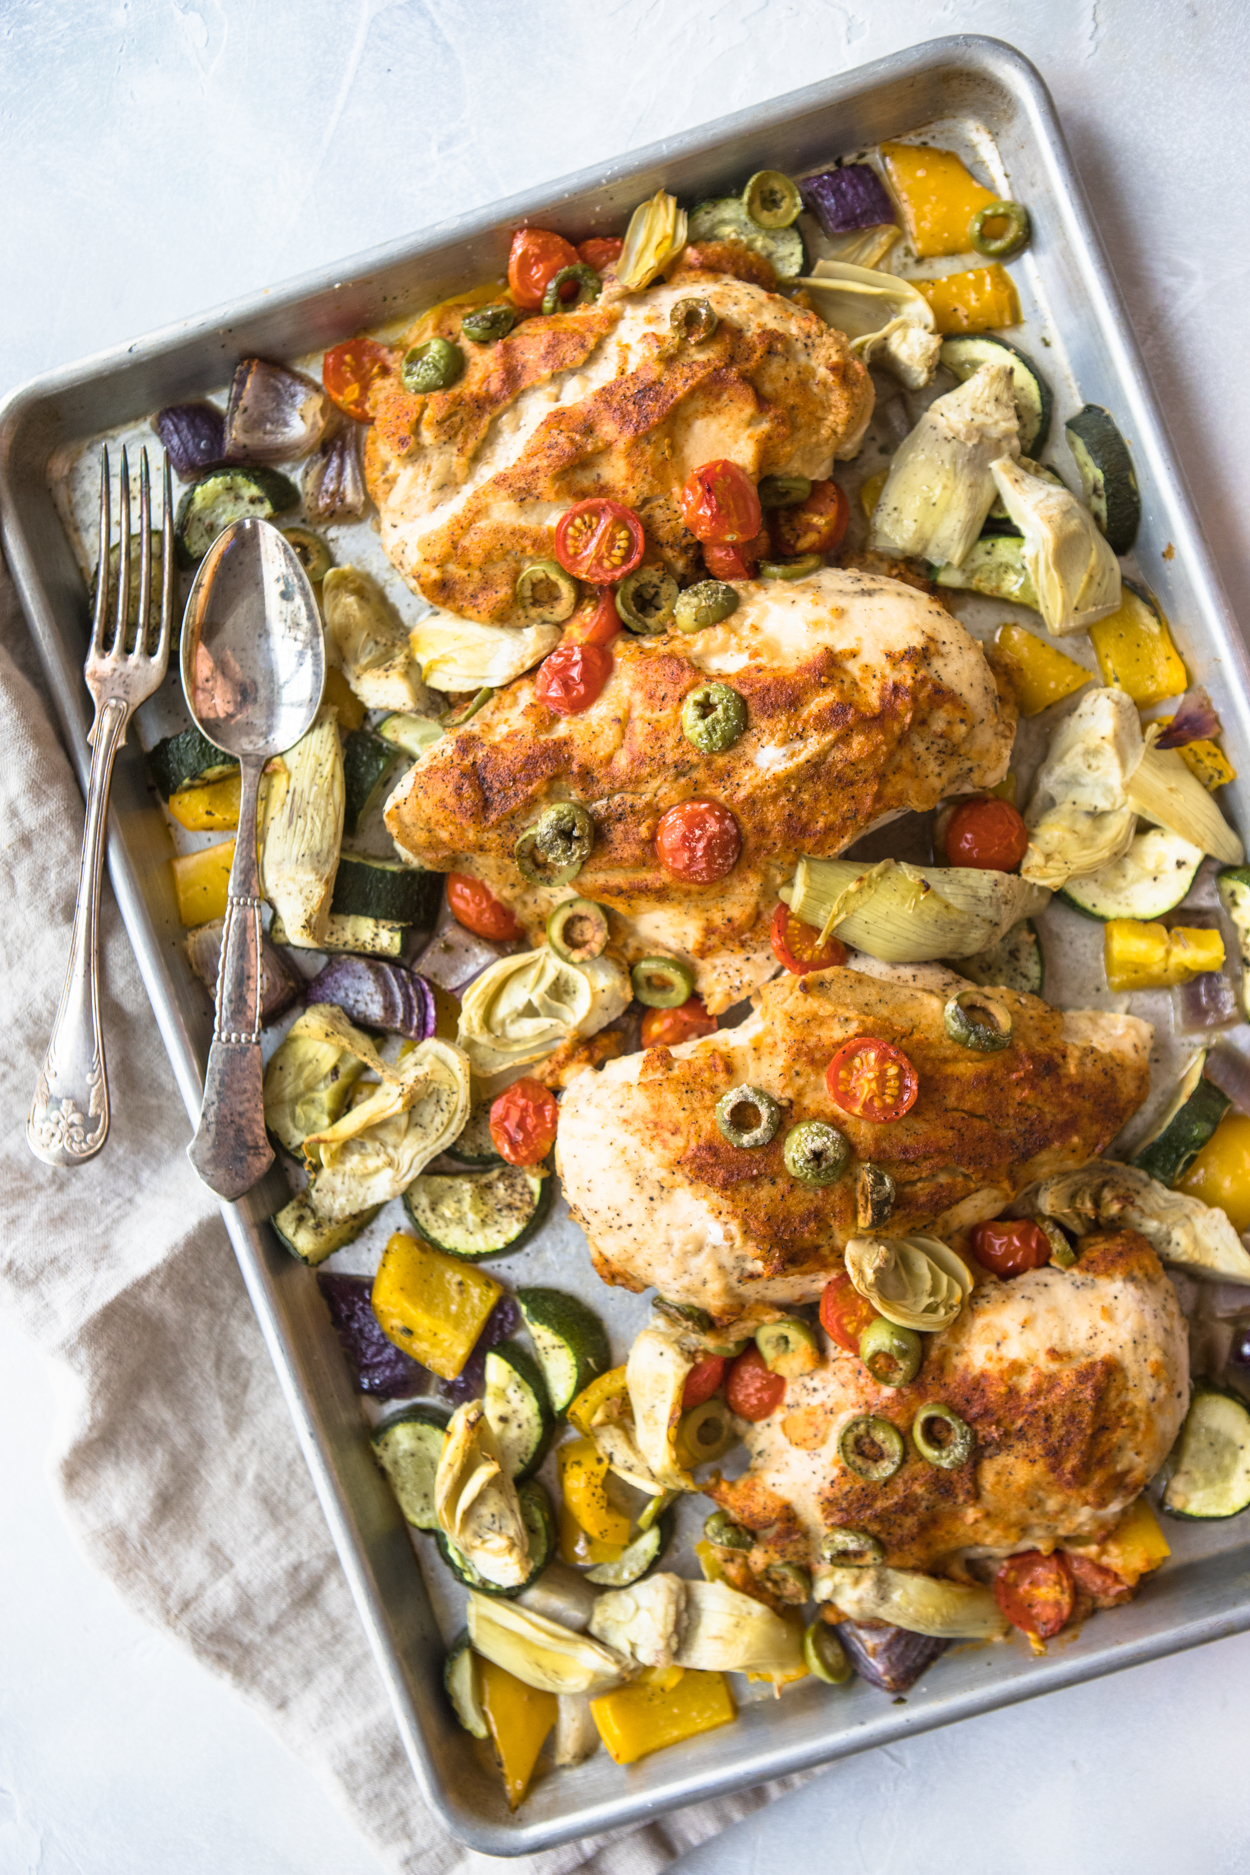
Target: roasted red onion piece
<point>279,984</point>
<point>848,198</point>
<point>1195,721</point>
<point>455,957</point>
<point>891,1658</point>
<point>193,436</point>
<point>1206,1002</point>
<point>334,481</point>
<point>380,1368</point>
<point>377,994</point>
<point>274,414</point>
<point>1229,1070</point>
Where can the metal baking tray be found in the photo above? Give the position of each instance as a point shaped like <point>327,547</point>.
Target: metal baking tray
<point>989,99</point>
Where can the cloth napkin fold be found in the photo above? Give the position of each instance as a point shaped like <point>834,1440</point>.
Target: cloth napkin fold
<point>180,1471</point>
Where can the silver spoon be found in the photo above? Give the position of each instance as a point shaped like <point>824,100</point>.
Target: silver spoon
<point>253,668</point>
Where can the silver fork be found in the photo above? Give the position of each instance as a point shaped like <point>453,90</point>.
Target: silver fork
<point>69,1118</point>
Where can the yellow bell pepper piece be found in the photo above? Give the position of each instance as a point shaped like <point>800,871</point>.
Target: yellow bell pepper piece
<point>636,1720</point>
<point>339,692</point>
<point>200,882</point>
<point>579,1550</point>
<point>937,195</point>
<point>1220,1175</point>
<point>583,1480</point>
<point>1206,760</point>
<point>710,1563</point>
<point>980,300</point>
<point>432,1306</point>
<point>1040,675</point>
<point>1147,957</point>
<point>666,1678</point>
<point>519,1717</point>
<point>204,809</point>
<point>1135,652</point>
<point>870,492</point>
<point>609,1386</point>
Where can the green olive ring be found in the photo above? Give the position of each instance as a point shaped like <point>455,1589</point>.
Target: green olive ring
<point>824,1655</point>
<point>748,1116</point>
<point>815,1153</point>
<point>788,1580</point>
<point>851,1549</point>
<point>708,603</point>
<point>577,930</point>
<point>662,982</point>
<point>891,1354</point>
<point>783,491</point>
<point>969,1030</point>
<point>485,324</point>
<point>310,550</point>
<point>721,1530</point>
<point>875,1192</point>
<point>534,866</point>
<point>1062,1253</point>
<point>872,1447</point>
<point>802,568</point>
<point>788,1347</point>
<point>545,593</point>
<point>958,1445</point>
<point>693,320</point>
<point>588,288</point>
<point>457,717</point>
<point>434,366</point>
<point>565,832</point>
<point>1015,236</point>
<point>713,718</point>
<point>771,199</point>
<point>645,600</point>
<point>705,1433</point>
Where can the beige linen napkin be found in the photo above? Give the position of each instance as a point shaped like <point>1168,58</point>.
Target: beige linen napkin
<point>180,1472</point>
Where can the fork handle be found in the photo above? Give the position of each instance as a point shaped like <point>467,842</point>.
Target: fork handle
<point>230,1150</point>
<point>69,1117</point>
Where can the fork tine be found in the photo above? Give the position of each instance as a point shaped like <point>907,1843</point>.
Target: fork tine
<point>167,570</point>
<point>123,566</point>
<point>145,556</point>
<point>102,575</point>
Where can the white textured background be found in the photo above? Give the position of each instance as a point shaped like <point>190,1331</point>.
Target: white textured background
<point>158,157</point>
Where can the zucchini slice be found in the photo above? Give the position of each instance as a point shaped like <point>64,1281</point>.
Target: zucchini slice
<point>312,1238</point>
<point>515,1402</point>
<point>1106,470</point>
<point>1196,1110</point>
<point>1233,886</point>
<point>572,1346</point>
<point>540,1524</point>
<point>1014,963</point>
<point>463,1686</point>
<point>633,1562</point>
<point>367,761</point>
<point>474,1146</point>
<point>224,496</point>
<point>478,1214</point>
<point>994,566</point>
<point>412,734</point>
<point>356,937</point>
<point>187,760</point>
<point>1153,877</point>
<point>966,354</point>
<point>408,1449</point>
<point>388,890</point>
<point>1210,1463</point>
<point>725,219</point>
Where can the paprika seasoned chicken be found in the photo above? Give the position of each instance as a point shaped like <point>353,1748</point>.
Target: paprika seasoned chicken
<point>863,698</point>
<point>666,1200</point>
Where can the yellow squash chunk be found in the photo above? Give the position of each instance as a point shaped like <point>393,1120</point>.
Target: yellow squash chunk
<point>870,491</point>
<point>205,809</point>
<point>937,195</point>
<point>432,1306</point>
<point>1208,761</point>
<point>583,1480</point>
<point>980,300</point>
<point>1136,1545</point>
<point>519,1718</point>
<point>609,1386</point>
<point>1142,956</point>
<point>709,1562</point>
<point>581,1551</point>
<point>666,1678</point>
<point>339,692</point>
<point>1040,675</point>
<point>1220,1175</point>
<point>1135,652</point>
<point>637,1720</point>
<point>200,881</point>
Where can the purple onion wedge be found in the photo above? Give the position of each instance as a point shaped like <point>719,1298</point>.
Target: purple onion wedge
<point>380,1368</point>
<point>1229,1070</point>
<point>454,958</point>
<point>1195,720</point>
<point>378,995</point>
<point>194,438</point>
<point>502,1322</point>
<point>274,414</point>
<point>848,198</point>
<point>279,984</point>
<point>891,1658</point>
<point>334,481</point>
<point>1206,1002</point>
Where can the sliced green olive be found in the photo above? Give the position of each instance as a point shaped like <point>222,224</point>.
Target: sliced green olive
<point>685,1314</point>
<point>1010,239</point>
<point>1062,1253</point>
<point>788,1580</point>
<point>311,552</point>
<point>853,1549</point>
<point>645,600</point>
<point>577,930</point>
<point>693,320</point>
<point>705,1433</point>
<point>713,718</point>
<point>708,603</point>
<point>721,1530</point>
<point>748,1116</point>
<point>788,1348</point>
<point>546,594</point>
<point>824,1654</point>
<point>941,1437</point>
<point>806,564</point>
<point>771,199</point>
<point>485,324</point>
<point>871,1447</point>
<point>891,1354</point>
<point>456,718</point>
<point>662,982</point>
<point>977,1019</point>
<point>783,491</point>
<point>588,288</point>
<point>434,366</point>
<point>816,1153</point>
<point>875,1192</point>
<point>554,851</point>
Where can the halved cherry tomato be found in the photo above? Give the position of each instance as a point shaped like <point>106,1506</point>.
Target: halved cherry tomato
<point>1104,1585</point>
<point>988,833</point>
<point>1010,1247</point>
<point>601,251</point>
<point>478,910</point>
<point>697,840</point>
<point>523,1122</point>
<point>536,255</point>
<point>873,1080</point>
<point>724,561</point>
<point>1035,1592</point>
<point>752,1392</point>
<point>798,946</point>
<point>719,503</point>
<point>350,371</point>
<point>844,1313</point>
<point>667,1027</point>
<point>599,541</point>
<point>571,678</point>
<point>815,525</point>
<point>597,622</point>
<point>703,1380</point>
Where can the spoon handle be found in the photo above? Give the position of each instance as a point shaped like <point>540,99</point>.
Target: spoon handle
<point>230,1150</point>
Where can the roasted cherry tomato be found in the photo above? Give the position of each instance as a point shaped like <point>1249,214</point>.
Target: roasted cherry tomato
<point>667,1027</point>
<point>536,255</point>
<point>798,946</point>
<point>599,541</point>
<point>752,1392</point>
<point>986,832</point>
<point>844,1313</point>
<point>698,841</point>
<point>703,1380</point>
<point>1035,1592</point>
<point>719,503</point>
<point>601,251</point>
<point>873,1080</point>
<point>725,562</point>
<point>597,622</point>
<point>523,1122</point>
<point>350,371</point>
<point>478,910</point>
<point>571,678</point>
<point>1009,1247</point>
<point>1094,1579</point>
<point>815,525</point>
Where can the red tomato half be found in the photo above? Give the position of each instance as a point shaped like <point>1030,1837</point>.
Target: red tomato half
<point>523,1122</point>
<point>815,525</point>
<point>873,1080</point>
<point>844,1313</point>
<point>478,910</point>
<point>719,503</point>
<point>667,1027</point>
<point>698,841</point>
<point>601,251</point>
<point>1035,1592</point>
<point>571,678</point>
<point>1010,1247</point>
<point>798,947</point>
<point>350,371</point>
<point>727,562</point>
<point>752,1392</point>
<point>536,255</point>
<point>703,1380</point>
<point>988,833</point>
<point>599,541</point>
<point>597,622</point>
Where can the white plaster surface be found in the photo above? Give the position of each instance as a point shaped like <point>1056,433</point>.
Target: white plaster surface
<point>160,156</point>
